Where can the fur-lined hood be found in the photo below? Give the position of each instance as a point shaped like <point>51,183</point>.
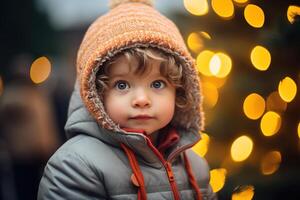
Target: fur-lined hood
<point>132,25</point>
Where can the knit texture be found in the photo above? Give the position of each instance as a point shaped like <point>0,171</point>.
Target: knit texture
<point>126,26</point>
<point>115,3</point>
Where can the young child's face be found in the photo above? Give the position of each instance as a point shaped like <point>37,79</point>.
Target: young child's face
<point>145,102</point>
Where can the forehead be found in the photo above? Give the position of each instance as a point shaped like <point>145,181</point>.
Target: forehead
<point>122,66</point>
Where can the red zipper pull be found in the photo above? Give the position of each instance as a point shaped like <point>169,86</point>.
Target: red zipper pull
<point>170,172</point>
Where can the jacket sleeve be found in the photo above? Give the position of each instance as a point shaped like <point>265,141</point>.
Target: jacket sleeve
<point>67,176</point>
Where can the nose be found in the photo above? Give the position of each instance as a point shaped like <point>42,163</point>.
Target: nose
<point>141,99</point>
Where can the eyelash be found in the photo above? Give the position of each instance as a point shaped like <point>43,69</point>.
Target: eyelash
<point>127,86</point>
<point>117,83</point>
<point>159,81</point>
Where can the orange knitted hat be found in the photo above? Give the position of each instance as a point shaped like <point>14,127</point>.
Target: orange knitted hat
<point>131,24</point>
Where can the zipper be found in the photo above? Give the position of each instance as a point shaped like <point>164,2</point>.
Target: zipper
<point>168,168</point>
<point>173,154</point>
<point>172,181</point>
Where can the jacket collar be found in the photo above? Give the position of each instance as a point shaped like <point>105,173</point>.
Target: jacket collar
<point>137,141</point>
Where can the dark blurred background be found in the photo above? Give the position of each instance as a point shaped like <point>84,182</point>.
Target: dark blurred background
<point>39,42</point>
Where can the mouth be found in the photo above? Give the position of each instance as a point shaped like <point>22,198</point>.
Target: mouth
<point>141,117</point>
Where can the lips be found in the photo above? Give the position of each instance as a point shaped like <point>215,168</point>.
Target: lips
<point>141,117</point>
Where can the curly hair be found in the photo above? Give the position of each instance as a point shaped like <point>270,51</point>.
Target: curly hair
<point>169,68</point>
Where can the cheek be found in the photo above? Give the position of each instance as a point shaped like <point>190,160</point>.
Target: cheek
<point>167,107</point>
<point>114,108</point>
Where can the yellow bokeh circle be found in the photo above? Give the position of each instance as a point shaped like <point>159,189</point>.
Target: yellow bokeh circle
<point>260,58</point>
<point>254,106</point>
<point>254,16</point>
<point>270,123</point>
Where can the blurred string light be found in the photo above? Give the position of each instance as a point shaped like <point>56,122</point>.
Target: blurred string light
<point>195,40</point>
<point>1,86</point>
<point>254,106</point>
<point>241,148</point>
<point>270,123</point>
<point>254,16</point>
<point>270,162</point>
<point>245,192</point>
<point>275,103</point>
<point>260,58</point>
<point>201,147</point>
<point>223,8</point>
<point>203,60</point>
<point>211,94</point>
<point>220,65</point>
<point>292,12</point>
<point>205,35</point>
<point>214,64</point>
<point>40,70</point>
<point>298,130</point>
<point>287,89</point>
<point>218,82</point>
<point>241,1</point>
<point>196,7</point>
<point>217,179</point>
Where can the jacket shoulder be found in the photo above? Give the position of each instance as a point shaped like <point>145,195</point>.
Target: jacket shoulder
<point>71,172</point>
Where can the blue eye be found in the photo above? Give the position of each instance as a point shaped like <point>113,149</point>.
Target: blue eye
<point>158,84</point>
<point>121,85</point>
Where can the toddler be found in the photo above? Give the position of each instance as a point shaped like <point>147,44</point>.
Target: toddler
<point>134,114</point>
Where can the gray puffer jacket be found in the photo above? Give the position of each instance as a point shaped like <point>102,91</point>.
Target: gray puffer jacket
<point>92,165</point>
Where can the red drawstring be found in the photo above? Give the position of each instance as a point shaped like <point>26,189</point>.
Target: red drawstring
<point>138,179</point>
<point>138,176</point>
<point>192,177</point>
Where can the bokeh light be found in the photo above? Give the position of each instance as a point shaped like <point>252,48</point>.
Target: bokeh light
<point>291,13</point>
<point>275,103</point>
<point>201,147</point>
<point>40,70</point>
<point>218,82</point>
<point>254,106</point>
<point>205,35</point>
<point>211,94</point>
<point>270,123</point>
<point>241,148</point>
<point>254,16</point>
<point>217,179</point>
<point>224,68</point>
<point>298,130</point>
<point>223,8</point>
<point>1,86</point>
<point>270,162</point>
<point>241,1</point>
<point>196,7</point>
<point>287,89</point>
<point>215,64</point>
<point>203,60</point>
<point>243,193</point>
<point>260,58</point>
<point>195,42</point>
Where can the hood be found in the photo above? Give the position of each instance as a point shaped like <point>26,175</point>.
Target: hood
<point>134,25</point>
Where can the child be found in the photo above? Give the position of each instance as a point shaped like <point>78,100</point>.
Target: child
<point>134,114</point>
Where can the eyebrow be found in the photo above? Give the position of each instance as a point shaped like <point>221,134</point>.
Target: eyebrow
<point>116,75</point>
<point>112,75</point>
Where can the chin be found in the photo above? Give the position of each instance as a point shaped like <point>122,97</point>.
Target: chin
<point>149,132</point>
